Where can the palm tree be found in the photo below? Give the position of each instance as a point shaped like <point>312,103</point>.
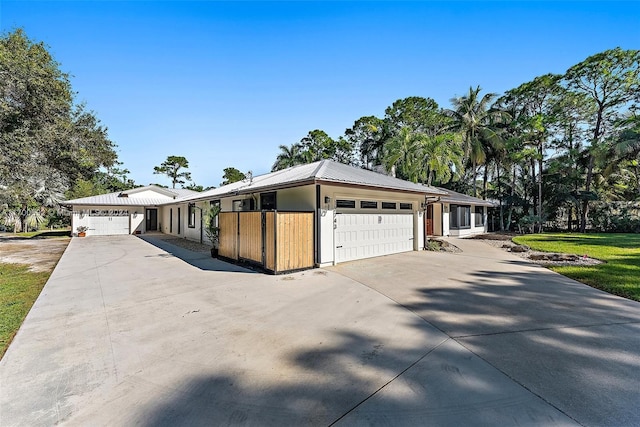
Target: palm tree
<point>473,118</point>
<point>401,152</point>
<point>442,157</point>
<point>288,156</point>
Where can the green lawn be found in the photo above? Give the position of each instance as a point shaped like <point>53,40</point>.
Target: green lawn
<point>619,275</point>
<point>19,289</point>
<point>43,234</point>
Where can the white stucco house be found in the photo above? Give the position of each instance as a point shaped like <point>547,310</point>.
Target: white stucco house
<point>357,213</point>
<point>132,211</point>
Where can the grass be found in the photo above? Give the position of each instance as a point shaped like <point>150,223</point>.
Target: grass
<point>42,234</point>
<point>619,274</point>
<point>19,289</point>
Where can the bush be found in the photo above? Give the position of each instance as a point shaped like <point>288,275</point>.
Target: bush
<point>615,217</point>
<point>433,245</point>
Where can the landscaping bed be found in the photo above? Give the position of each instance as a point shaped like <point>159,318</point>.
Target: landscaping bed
<point>606,261</point>
<point>548,259</point>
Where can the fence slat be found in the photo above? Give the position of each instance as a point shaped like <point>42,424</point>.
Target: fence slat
<point>228,235</point>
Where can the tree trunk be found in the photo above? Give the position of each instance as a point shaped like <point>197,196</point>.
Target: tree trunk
<point>23,219</point>
<point>513,192</point>
<point>540,161</point>
<point>485,178</point>
<point>500,198</point>
<point>475,176</point>
<point>585,203</point>
<point>584,215</point>
<point>533,186</point>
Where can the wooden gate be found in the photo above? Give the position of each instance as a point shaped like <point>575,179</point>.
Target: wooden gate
<point>228,236</point>
<point>250,236</point>
<point>276,241</point>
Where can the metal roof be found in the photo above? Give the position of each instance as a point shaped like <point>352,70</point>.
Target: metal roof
<point>128,197</point>
<point>324,171</point>
<point>455,197</point>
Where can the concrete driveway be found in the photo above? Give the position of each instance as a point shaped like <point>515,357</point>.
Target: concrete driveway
<point>128,333</point>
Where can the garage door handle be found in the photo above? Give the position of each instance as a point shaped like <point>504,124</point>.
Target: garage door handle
<point>338,247</point>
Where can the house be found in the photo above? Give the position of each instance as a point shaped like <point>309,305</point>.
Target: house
<point>132,211</point>
<point>321,213</point>
<point>457,215</point>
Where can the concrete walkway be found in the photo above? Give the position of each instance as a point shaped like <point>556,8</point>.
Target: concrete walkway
<point>127,333</point>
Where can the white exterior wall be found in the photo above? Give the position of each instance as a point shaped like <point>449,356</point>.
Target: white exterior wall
<point>164,219</point>
<point>327,213</point>
<point>297,199</point>
<point>418,233</point>
<point>445,220</point>
<point>137,221</point>
<point>80,216</point>
<point>465,232</point>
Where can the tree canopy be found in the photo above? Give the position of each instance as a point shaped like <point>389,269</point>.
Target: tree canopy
<point>174,168</point>
<point>231,175</point>
<point>50,144</point>
<point>546,151</point>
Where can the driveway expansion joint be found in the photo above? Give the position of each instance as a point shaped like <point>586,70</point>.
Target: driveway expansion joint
<point>390,381</point>
<point>519,383</point>
<point>594,325</point>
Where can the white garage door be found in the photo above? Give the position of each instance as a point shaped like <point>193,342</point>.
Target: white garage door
<point>360,236</point>
<point>108,225</point>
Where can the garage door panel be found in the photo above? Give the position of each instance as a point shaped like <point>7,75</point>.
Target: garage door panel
<point>360,236</point>
<point>108,225</point>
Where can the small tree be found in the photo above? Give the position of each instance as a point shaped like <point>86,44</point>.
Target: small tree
<point>171,168</point>
<point>211,225</point>
<point>232,175</point>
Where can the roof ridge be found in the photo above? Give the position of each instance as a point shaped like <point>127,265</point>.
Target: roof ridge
<point>321,165</point>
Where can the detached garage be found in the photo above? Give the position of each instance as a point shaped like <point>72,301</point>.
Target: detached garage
<point>126,212</point>
<point>109,222</point>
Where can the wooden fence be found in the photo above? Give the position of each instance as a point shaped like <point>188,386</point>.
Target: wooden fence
<point>276,241</point>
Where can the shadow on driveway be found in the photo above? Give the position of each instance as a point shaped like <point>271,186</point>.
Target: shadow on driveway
<point>201,260</point>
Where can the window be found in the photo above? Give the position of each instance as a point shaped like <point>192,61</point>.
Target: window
<point>479,216</point>
<point>345,204</point>
<point>244,205</point>
<point>268,201</point>
<point>211,205</point>
<point>367,204</point>
<point>192,215</point>
<point>388,205</point>
<point>407,206</point>
<point>459,217</point>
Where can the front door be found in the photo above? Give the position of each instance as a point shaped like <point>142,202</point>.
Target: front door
<point>152,220</point>
<point>428,221</point>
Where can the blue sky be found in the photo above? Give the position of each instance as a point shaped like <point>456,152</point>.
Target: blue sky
<point>225,83</point>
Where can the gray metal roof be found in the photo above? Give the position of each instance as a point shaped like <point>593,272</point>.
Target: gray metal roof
<point>324,171</point>
<point>455,197</point>
<point>128,197</point>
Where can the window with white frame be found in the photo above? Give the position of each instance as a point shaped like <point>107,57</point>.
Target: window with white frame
<point>459,217</point>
